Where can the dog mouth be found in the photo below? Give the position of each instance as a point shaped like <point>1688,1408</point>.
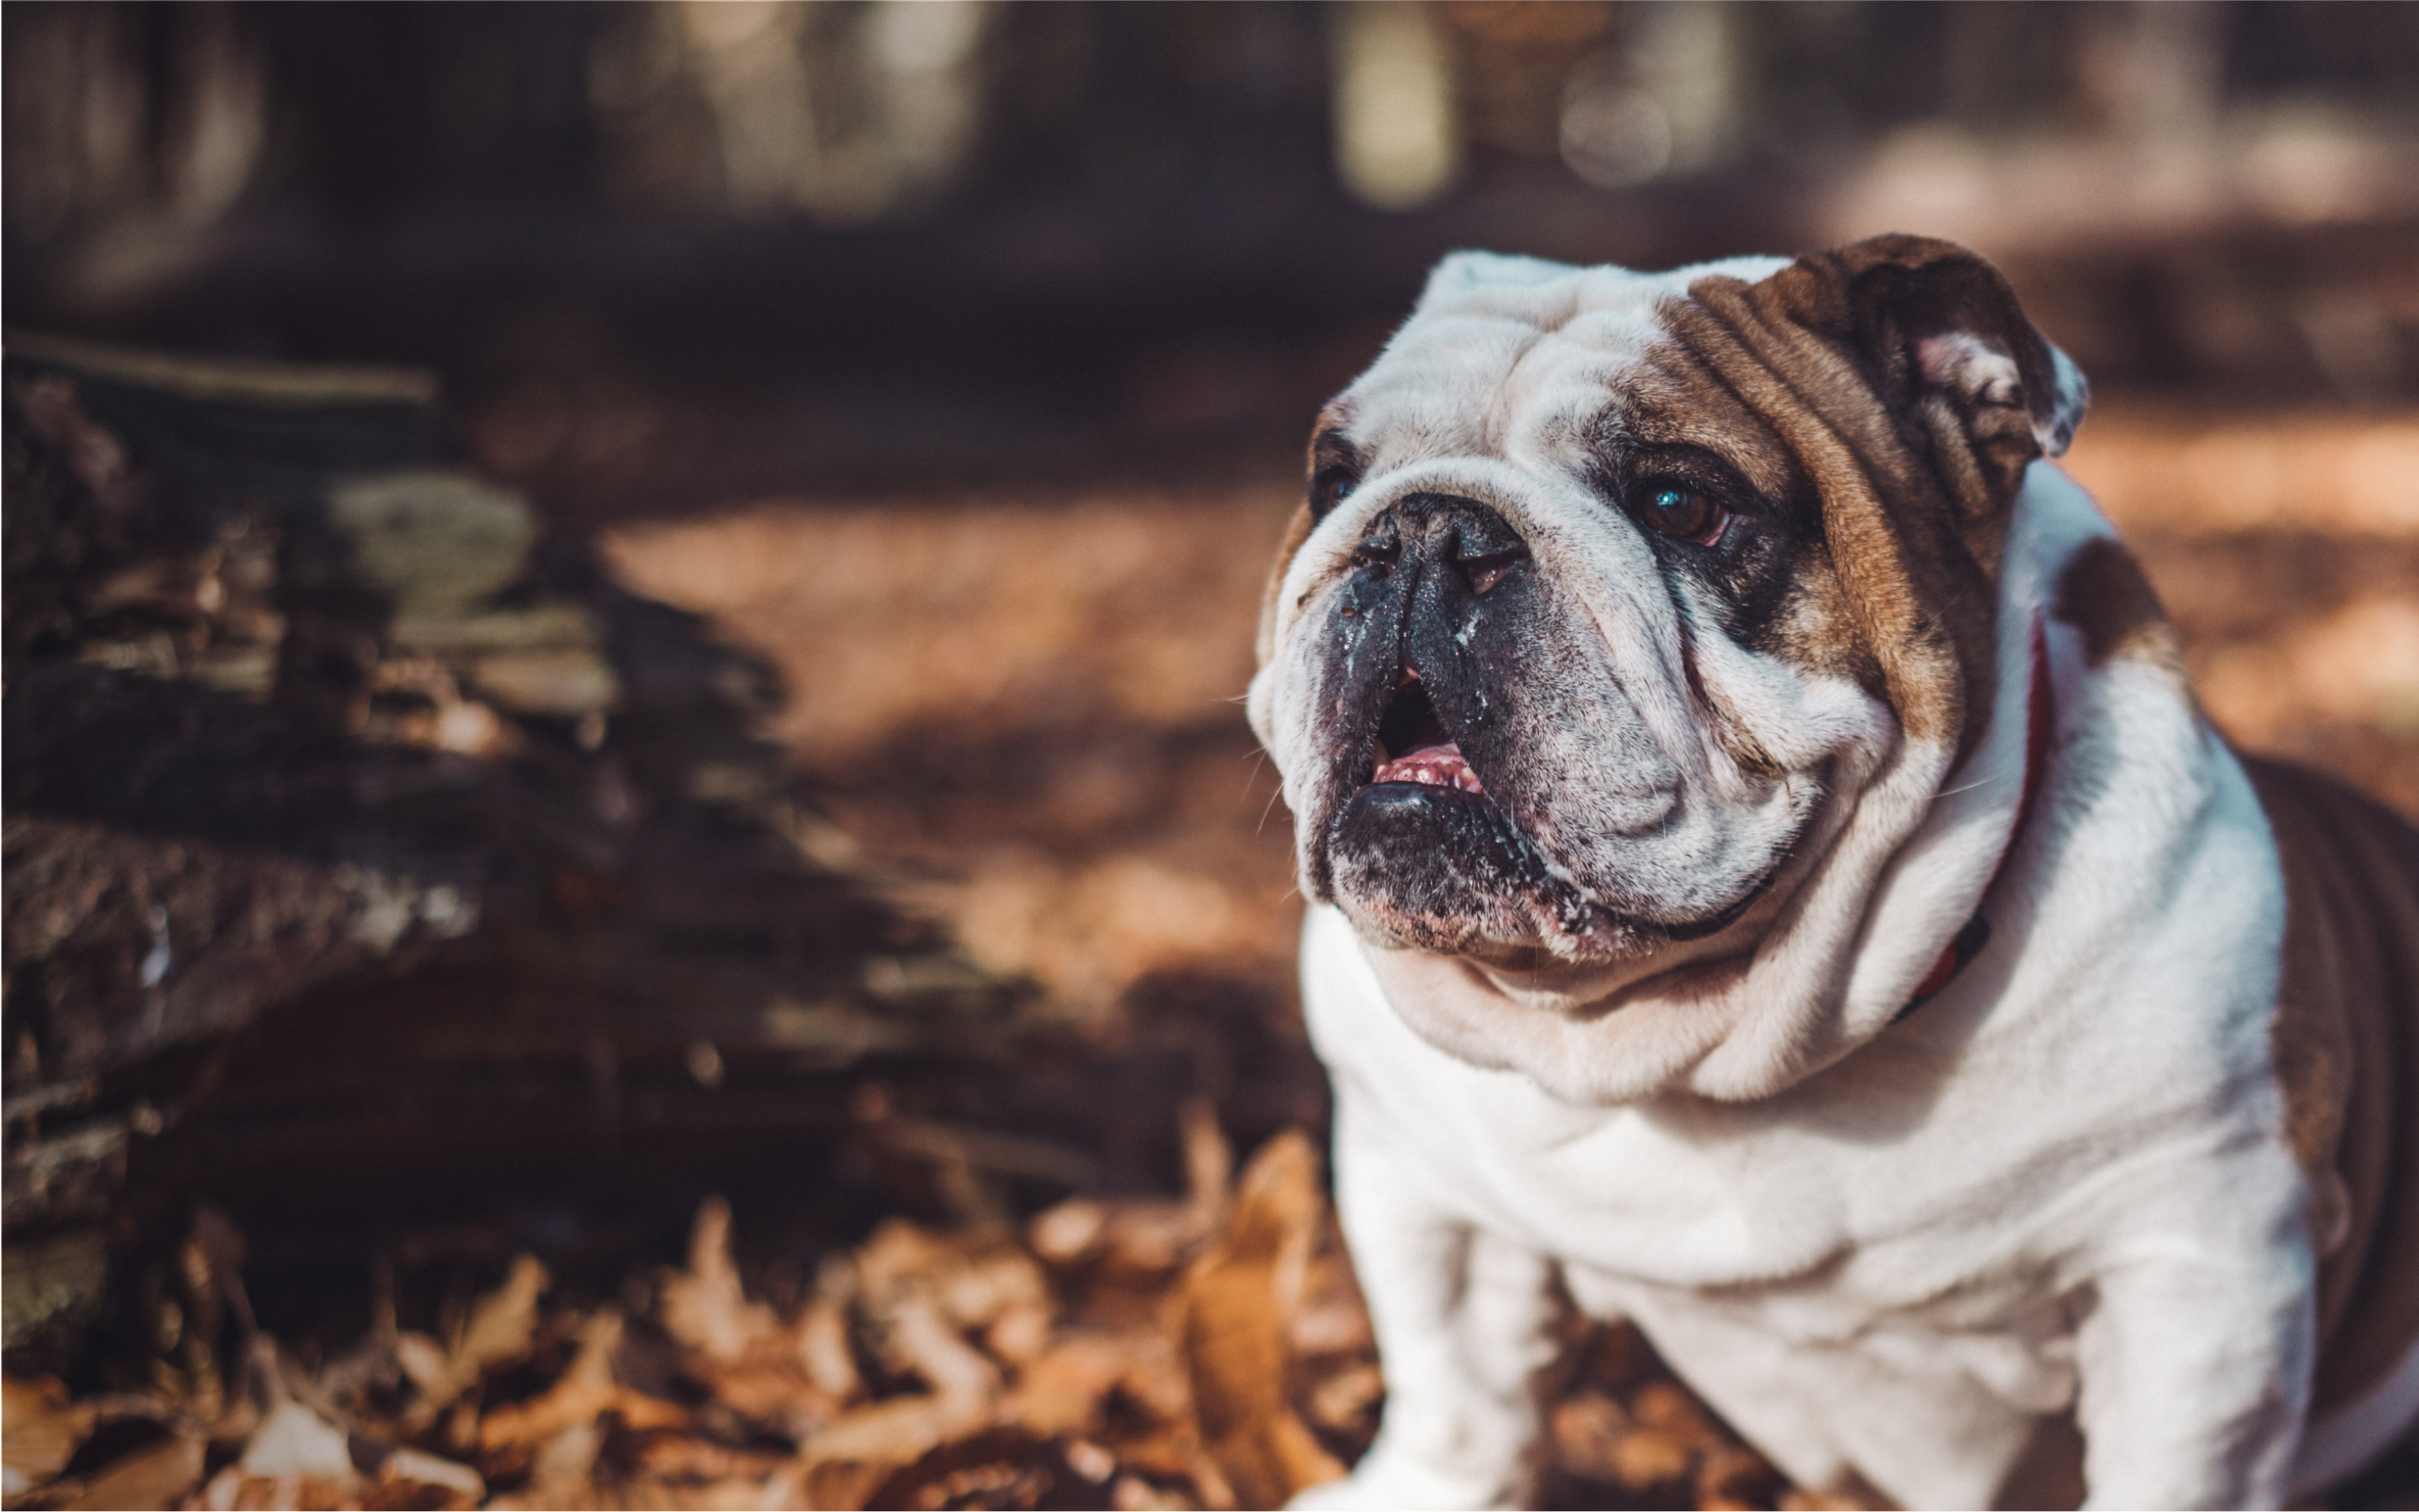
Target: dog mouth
<point>1413,745</point>
<point>1421,836</point>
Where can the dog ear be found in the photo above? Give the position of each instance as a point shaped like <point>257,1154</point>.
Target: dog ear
<point>1941,323</point>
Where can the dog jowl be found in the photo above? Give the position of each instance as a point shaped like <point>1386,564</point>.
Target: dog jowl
<point>1700,696</point>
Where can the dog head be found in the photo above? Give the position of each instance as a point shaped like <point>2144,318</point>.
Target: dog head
<point>1618,595</point>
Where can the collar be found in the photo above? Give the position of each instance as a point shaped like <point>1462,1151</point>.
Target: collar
<point>2040,720</point>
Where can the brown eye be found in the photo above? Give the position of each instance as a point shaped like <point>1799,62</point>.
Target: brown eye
<point>1329,487</point>
<point>1686,513</point>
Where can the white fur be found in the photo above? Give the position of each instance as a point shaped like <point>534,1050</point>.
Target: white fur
<point>2067,1162</point>
<point>2061,1183</point>
<point>1467,400</point>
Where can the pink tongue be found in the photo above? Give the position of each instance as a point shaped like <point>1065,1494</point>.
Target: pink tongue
<point>1437,766</point>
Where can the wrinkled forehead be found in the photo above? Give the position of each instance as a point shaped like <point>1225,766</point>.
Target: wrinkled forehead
<point>1499,351</point>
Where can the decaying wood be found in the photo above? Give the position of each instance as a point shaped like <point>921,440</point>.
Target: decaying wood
<point>359,836</point>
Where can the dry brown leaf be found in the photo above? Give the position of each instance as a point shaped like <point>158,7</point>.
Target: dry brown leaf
<point>1661,1438</point>
<point>1007,1466</point>
<point>1642,1458</point>
<point>158,1477</point>
<point>1131,1493</point>
<point>1734,1478</point>
<point>896,1431</point>
<point>956,1370</point>
<point>1144,1239</point>
<point>985,1285</point>
<point>836,1484</point>
<point>1582,1429</point>
<point>565,1462</point>
<point>39,1432</point>
<point>1020,1333</point>
<point>414,1471</point>
<point>1237,1297</point>
<point>586,1391</point>
<point>898,1253</point>
<point>671,1456</point>
<point>1345,1401</point>
<point>1330,1318</point>
<point>232,1490</point>
<point>1209,1161</point>
<point>1666,1404</point>
<point>1070,1233</point>
<point>294,1442</point>
<point>424,1364</point>
<point>705,1307</point>
<point>502,1328</point>
<point>504,1322</point>
<point>775,1397</point>
<point>1063,1392</point>
<point>824,1353</point>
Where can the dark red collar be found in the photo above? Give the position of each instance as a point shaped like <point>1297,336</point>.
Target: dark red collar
<point>2040,720</point>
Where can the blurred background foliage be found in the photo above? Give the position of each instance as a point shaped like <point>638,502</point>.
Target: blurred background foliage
<point>941,237</point>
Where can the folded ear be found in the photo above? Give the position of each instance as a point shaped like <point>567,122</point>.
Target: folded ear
<point>1941,326</point>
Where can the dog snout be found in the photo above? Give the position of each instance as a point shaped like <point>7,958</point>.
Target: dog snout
<point>1420,531</point>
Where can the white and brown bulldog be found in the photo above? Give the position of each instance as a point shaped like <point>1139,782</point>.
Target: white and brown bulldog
<point>1771,877</point>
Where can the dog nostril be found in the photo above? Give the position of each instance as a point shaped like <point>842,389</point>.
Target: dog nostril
<point>1486,571</point>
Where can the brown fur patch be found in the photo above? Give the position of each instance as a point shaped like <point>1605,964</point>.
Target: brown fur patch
<point>2345,1043</point>
<point>1327,447</point>
<point>1917,585</point>
<point>1916,479</point>
<point>1297,531</point>
<point>2103,593</point>
<point>1676,399</point>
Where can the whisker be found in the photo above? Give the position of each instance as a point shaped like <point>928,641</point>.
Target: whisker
<point>1969,787</point>
<point>1266,810</point>
<point>1258,759</point>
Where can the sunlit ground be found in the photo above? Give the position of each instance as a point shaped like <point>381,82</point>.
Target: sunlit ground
<point>1028,702</point>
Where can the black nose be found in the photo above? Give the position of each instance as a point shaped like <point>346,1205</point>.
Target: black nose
<point>1442,530</point>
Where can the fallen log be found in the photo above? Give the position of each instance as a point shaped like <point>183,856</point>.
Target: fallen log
<point>371,855</point>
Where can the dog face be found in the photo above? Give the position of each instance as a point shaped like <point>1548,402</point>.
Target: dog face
<point>1616,593</point>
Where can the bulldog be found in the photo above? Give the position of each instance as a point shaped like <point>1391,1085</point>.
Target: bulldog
<point>1771,882</point>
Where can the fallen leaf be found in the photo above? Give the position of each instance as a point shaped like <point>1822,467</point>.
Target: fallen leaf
<point>158,1477</point>
<point>1065,1390</point>
<point>585,1391</point>
<point>895,1431</point>
<point>956,1370</point>
<point>1237,1297</point>
<point>504,1322</point>
<point>704,1306</point>
<point>824,1353</point>
<point>424,1362</point>
<point>294,1441</point>
<point>500,1330</point>
<point>409,1468</point>
<point>1346,1401</point>
<point>1004,1468</point>
<point>39,1432</point>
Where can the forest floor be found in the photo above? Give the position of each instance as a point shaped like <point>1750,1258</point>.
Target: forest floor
<point>1022,707</point>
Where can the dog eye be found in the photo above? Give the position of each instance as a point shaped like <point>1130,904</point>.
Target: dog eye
<point>1686,513</point>
<point>1329,487</point>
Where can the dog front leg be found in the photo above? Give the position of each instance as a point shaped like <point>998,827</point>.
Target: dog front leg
<point>1463,1320</point>
<point>2195,1376</point>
